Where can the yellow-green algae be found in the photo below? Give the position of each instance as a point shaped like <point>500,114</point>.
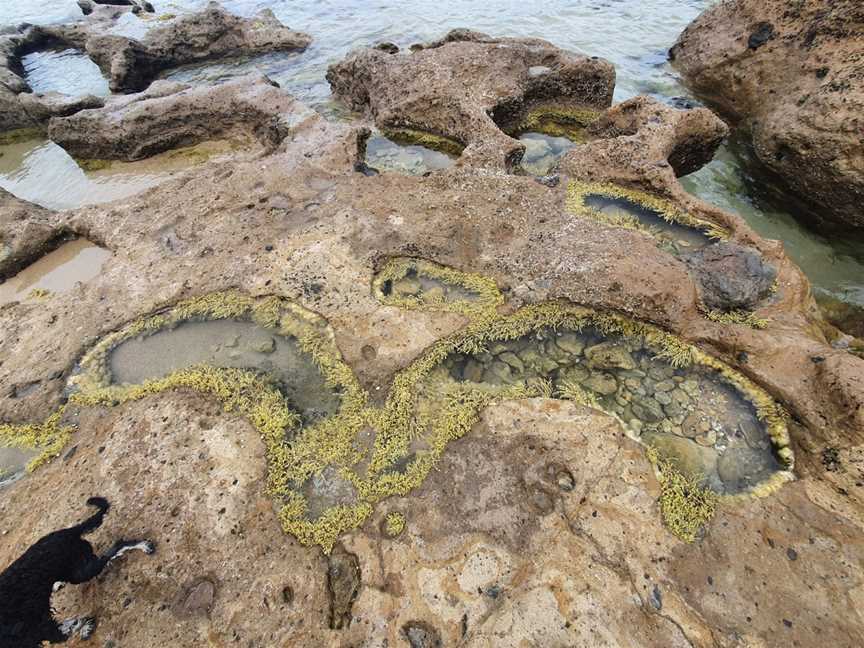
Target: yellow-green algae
<point>430,140</point>
<point>48,437</point>
<point>578,192</point>
<point>745,318</point>
<point>21,135</point>
<point>685,504</point>
<point>488,297</point>
<point>555,121</point>
<point>394,524</point>
<point>414,408</point>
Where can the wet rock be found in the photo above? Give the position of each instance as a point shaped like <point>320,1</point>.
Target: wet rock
<point>170,115</point>
<point>411,89</point>
<point>27,231</point>
<point>789,76</point>
<point>609,355</point>
<point>688,457</point>
<point>731,276</point>
<point>343,586</point>
<point>570,343</point>
<point>602,383</point>
<point>648,410</point>
<point>421,635</point>
<point>213,33</point>
<point>742,467</point>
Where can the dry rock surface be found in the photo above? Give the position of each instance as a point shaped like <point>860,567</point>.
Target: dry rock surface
<point>541,525</point>
<point>792,75</point>
<point>169,115</point>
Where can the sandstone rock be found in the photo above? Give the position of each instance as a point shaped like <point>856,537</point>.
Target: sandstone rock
<point>26,232</point>
<point>609,355</point>
<point>496,553</point>
<point>602,383</point>
<point>169,115</point>
<point>130,65</point>
<point>731,276</point>
<point>440,88</point>
<point>790,74</point>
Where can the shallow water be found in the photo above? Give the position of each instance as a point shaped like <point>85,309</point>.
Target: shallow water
<point>227,343</point>
<point>673,236</point>
<point>692,415</point>
<point>68,72</point>
<point>59,271</point>
<point>833,264</point>
<point>13,463</point>
<point>542,152</point>
<point>40,171</point>
<point>385,155</point>
<point>633,34</point>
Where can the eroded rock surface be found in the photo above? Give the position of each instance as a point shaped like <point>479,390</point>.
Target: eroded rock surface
<point>26,232</point>
<point>791,74</point>
<point>539,526</point>
<point>454,87</point>
<point>130,64</point>
<point>169,115</point>
<point>731,276</point>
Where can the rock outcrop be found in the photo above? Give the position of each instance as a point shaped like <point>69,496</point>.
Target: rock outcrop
<point>540,523</point>
<point>459,86</point>
<point>170,115</point>
<point>130,65</point>
<point>26,232</point>
<point>790,73</point>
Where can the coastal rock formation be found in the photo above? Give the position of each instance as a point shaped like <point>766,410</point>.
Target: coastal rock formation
<point>20,107</point>
<point>213,33</point>
<point>541,521</point>
<point>790,74</point>
<point>129,65</point>
<point>460,86</point>
<point>26,232</point>
<point>170,115</point>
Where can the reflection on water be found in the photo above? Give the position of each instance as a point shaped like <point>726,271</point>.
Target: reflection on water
<point>68,72</point>
<point>227,343</point>
<point>43,173</point>
<point>59,271</point>
<point>385,155</point>
<point>673,237</point>
<point>542,152</point>
<point>834,266</point>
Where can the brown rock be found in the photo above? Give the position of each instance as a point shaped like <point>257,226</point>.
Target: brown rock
<point>790,73</point>
<point>212,33</point>
<point>170,115</point>
<point>440,88</point>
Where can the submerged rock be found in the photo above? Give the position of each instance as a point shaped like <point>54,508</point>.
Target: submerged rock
<point>731,276</point>
<point>790,74</point>
<point>130,64</point>
<point>169,115</point>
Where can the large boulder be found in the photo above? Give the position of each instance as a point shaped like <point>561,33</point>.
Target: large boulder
<point>131,65</point>
<point>26,232</point>
<point>731,276</point>
<point>458,87</point>
<point>790,74</point>
<point>169,115</point>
